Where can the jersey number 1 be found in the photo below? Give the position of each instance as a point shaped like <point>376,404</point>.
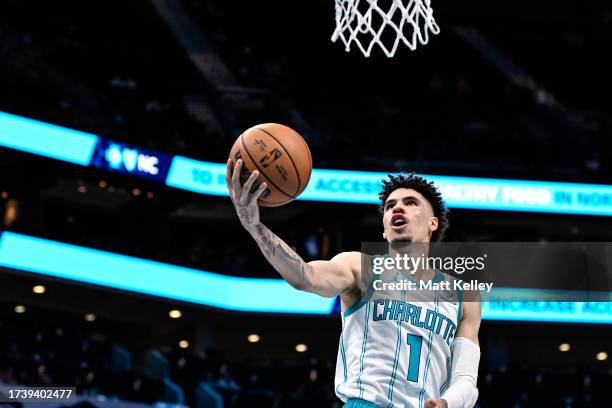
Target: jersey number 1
<point>415,343</point>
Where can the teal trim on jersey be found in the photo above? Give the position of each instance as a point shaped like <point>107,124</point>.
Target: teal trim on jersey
<point>439,277</point>
<point>427,361</point>
<point>363,350</point>
<point>395,362</point>
<point>459,304</point>
<point>359,403</point>
<point>343,356</point>
<point>354,308</point>
<point>443,387</point>
<point>449,367</point>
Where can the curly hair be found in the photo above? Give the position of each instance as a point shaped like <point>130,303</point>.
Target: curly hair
<point>426,188</point>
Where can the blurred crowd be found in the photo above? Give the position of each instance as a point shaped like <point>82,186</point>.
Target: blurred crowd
<point>87,67</point>
<point>90,357</point>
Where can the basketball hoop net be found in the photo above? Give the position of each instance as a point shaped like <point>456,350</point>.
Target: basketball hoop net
<point>370,22</point>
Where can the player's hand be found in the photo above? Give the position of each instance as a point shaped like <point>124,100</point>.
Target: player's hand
<point>243,199</point>
<point>439,403</point>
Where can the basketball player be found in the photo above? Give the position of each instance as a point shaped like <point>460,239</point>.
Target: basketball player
<point>391,353</point>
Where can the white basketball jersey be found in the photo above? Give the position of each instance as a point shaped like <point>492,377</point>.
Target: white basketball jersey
<point>397,352</point>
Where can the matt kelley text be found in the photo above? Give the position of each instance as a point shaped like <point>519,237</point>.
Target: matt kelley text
<point>405,284</point>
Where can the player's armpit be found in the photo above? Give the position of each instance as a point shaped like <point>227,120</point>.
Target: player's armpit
<point>334,277</point>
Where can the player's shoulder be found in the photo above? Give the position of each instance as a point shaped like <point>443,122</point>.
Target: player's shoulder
<point>349,258</point>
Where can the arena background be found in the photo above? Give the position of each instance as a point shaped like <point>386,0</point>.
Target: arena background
<point>508,91</point>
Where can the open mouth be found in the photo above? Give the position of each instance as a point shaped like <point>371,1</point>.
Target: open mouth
<point>398,220</point>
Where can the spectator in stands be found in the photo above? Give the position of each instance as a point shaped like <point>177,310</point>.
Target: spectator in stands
<point>226,380</point>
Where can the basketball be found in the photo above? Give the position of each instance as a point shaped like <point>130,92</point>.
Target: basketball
<point>282,158</point>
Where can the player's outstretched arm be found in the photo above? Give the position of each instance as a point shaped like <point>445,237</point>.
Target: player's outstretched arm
<point>325,278</point>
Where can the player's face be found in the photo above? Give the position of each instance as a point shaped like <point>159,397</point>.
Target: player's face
<point>408,217</point>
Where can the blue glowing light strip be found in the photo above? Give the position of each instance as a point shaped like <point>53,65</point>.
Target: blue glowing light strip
<point>326,185</point>
<point>56,259</point>
<point>47,140</point>
<point>558,312</point>
<point>459,192</point>
<point>87,265</point>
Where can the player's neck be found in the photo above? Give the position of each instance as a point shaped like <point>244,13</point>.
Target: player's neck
<point>410,249</point>
<point>414,257</point>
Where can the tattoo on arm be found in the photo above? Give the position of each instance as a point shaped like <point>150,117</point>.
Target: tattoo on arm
<point>243,214</point>
<point>272,246</point>
<point>284,259</point>
<point>268,241</point>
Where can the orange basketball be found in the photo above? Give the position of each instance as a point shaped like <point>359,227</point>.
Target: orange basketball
<point>282,158</point>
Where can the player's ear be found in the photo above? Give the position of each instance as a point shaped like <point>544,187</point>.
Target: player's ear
<point>433,224</point>
<point>384,236</point>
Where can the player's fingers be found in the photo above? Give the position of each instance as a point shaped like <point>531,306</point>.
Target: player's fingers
<point>246,189</point>
<point>255,196</point>
<point>430,404</point>
<point>236,187</point>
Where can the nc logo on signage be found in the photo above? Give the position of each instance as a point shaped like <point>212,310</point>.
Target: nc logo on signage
<point>131,160</point>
